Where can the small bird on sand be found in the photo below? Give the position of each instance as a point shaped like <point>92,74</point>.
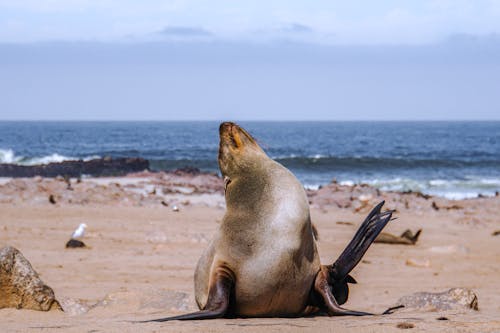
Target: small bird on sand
<point>78,233</point>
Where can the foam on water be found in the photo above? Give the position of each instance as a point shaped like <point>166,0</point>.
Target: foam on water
<point>455,189</point>
<point>8,156</point>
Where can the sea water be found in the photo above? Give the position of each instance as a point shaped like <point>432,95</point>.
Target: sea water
<point>452,159</point>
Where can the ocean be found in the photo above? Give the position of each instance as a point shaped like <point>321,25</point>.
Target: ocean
<point>451,159</point>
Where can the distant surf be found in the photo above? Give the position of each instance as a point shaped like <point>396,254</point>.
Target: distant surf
<point>8,156</point>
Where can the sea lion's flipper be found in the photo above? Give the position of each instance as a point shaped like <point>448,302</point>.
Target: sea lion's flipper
<point>364,237</point>
<point>217,302</point>
<point>330,304</point>
<point>410,236</point>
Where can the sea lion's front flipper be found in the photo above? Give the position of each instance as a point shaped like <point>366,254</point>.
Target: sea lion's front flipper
<point>218,298</point>
<point>364,237</point>
<point>330,305</point>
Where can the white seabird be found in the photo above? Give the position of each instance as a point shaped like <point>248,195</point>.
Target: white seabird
<point>79,232</point>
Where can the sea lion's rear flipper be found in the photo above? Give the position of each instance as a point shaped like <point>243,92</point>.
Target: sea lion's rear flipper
<point>338,273</point>
<point>217,302</point>
<point>364,237</point>
<point>329,303</point>
<point>410,236</point>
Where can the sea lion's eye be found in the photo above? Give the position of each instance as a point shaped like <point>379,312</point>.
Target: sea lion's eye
<point>227,180</point>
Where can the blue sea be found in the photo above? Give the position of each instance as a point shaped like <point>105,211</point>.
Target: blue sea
<point>452,159</point>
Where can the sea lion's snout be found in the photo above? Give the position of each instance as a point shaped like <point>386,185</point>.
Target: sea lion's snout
<point>235,136</point>
<point>234,143</point>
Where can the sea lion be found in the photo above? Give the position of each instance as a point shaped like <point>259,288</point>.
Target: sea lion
<point>263,260</point>
<point>406,238</point>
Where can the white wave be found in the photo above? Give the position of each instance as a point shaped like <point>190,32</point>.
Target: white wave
<point>53,158</point>
<point>292,156</point>
<point>9,157</point>
<point>312,187</point>
<point>454,189</point>
<point>91,157</point>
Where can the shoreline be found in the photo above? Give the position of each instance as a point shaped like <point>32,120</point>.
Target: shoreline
<point>313,174</point>
<point>189,186</point>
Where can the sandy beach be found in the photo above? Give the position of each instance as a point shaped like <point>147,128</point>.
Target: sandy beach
<point>141,253</point>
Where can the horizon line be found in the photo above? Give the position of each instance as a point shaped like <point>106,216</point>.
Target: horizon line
<point>250,120</point>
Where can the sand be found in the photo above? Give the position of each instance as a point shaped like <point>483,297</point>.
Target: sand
<point>141,255</point>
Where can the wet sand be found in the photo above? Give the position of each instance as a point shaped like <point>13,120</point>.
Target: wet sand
<point>141,254</point>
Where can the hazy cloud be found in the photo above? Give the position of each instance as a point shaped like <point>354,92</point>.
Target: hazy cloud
<point>351,22</point>
<point>180,31</point>
<point>297,28</point>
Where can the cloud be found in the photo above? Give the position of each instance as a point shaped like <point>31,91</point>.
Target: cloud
<point>295,27</point>
<point>184,31</point>
<point>465,38</point>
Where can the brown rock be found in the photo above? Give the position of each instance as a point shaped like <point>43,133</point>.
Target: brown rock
<point>455,298</point>
<point>405,325</point>
<point>20,285</point>
<point>418,263</point>
<point>74,243</point>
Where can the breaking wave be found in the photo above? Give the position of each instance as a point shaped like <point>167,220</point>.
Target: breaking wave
<point>470,187</point>
<point>8,156</point>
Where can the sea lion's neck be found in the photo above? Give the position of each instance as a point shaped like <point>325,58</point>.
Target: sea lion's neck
<point>247,193</point>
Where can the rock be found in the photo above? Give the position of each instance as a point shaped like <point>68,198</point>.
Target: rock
<point>187,170</point>
<point>52,199</point>
<point>74,243</point>
<point>74,307</point>
<point>365,197</point>
<point>97,167</point>
<point>418,263</point>
<point>344,223</point>
<point>453,299</point>
<point>20,285</point>
<point>405,325</point>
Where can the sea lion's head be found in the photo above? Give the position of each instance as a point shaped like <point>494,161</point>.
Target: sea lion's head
<point>238,151</point>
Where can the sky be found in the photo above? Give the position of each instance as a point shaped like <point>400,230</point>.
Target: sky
<point>249,60</point>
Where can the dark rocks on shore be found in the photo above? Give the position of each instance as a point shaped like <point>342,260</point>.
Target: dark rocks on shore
<point>97,167</point>
<point>187,170</point>
<point>75,243</point>
<point>20,285</point>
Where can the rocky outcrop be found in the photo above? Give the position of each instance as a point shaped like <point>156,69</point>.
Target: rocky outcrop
<point>97,167</point>
<point>453,299</point>
<point>20,285</point>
